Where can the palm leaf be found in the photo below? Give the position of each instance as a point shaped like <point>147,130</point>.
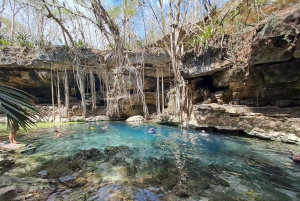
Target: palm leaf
<point>19,107</point>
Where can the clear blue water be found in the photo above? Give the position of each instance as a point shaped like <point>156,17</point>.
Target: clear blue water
<point>210,165</point>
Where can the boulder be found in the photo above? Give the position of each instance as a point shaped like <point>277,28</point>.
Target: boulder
<point>88,154</point>
<point>122,150</point>
<point>97,118</point>
<point>181,190</point>
<point>8,193</point>
<point>72,181</point>
<point>67,179</point>
<point>6,161</point>
<point>137,118</point>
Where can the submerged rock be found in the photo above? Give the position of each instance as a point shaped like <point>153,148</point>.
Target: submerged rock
<point>131,170</point>
<point>222,182</point>
<point>59,195</point>
<point>43,173</point>
<point>88,154</point>
<point>181,190</point>
<point>67,179</point>
<point>118,192</point>
<point>118,161</point>
<point>229,195</point>
<point>73,182</point>
<point>111,151</point>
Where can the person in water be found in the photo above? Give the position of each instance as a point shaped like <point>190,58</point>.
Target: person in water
<point>295,155</point>
<point>151,130</point>
<point>60,134</point>
<point>105,127</point>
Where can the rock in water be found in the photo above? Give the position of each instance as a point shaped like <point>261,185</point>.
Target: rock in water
<point>8,193</point>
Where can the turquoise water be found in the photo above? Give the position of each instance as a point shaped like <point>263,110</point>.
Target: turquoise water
<point>211,166</point>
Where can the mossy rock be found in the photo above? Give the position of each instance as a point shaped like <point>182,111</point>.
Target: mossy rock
<point>111,151</point>
<point>118,161</point>
<point>271,194</point>
<point>181,190</point>
<point>88,154</point>
<point>222,182</point>
<point>131,170</point>
<point>169,183</point>
<point>75,164</point>
<point>226,196</point>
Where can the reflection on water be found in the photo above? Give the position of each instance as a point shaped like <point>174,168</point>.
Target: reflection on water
<point>187,162</point>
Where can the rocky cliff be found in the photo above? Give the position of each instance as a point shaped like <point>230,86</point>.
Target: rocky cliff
<point>256,88</point>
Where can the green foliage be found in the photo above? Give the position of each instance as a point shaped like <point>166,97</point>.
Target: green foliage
<point>111,46</point>
<point>4,39</point>
<point>38,43</point>
<point>19,107</point>
<point>5,42</point>
<point>128,9</point>
<point>139,43</point>
<point>22,39</point>
<point>81,44</point>
<point>202,38</point>
<point>261,2</point>
<point>114,12</point>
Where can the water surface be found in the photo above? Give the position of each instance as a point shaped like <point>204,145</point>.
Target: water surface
<point>208,166</point>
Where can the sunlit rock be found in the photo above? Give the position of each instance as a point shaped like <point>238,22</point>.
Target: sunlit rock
<point>135,119</point>
<point>97,118</point>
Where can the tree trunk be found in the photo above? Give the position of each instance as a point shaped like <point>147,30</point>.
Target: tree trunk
<point>58,97</point>
<point>157,93</point>
<point>93,90</point>
<point>52,94</point>
<point>67,94</point>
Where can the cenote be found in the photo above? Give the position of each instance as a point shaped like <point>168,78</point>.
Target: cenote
<point>173,164</point>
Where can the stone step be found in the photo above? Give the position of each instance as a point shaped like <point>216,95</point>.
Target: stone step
<point>17,148</point>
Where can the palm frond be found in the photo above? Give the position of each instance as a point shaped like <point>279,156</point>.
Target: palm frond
<point>19,107</point>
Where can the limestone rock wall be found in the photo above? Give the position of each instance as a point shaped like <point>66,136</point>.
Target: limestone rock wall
<point>259,85</point>
<point>263,71</point>
<point>280,124</point>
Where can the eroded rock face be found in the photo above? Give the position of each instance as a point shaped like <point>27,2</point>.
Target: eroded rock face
<point>265,122</point>
<point>265,70</point>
